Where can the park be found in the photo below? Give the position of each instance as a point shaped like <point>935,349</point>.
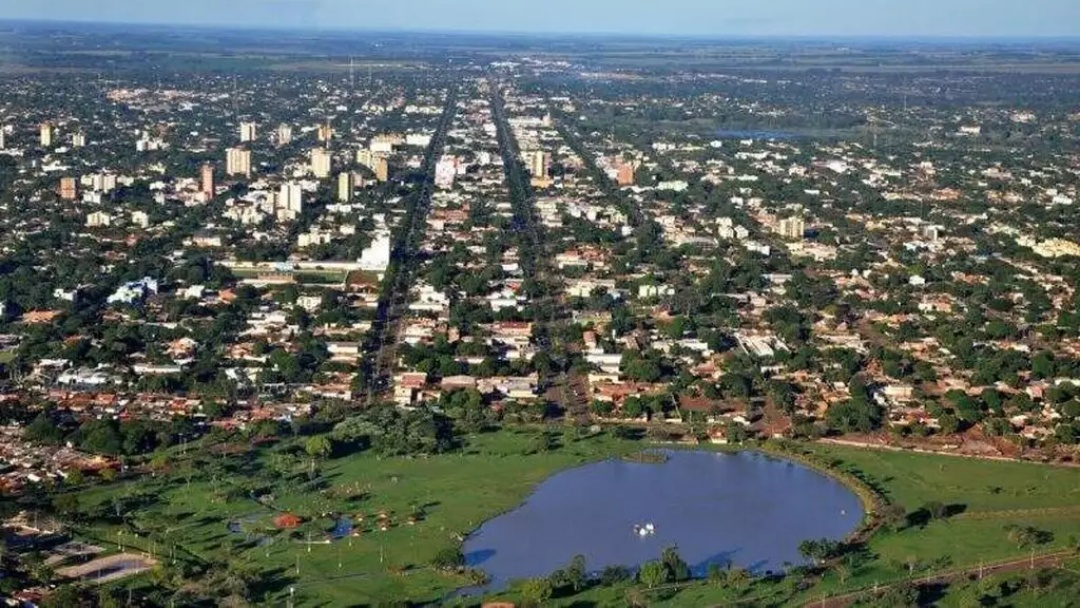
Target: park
<point>292,521</point>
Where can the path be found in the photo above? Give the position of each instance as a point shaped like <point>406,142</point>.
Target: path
<point>1046,560</point>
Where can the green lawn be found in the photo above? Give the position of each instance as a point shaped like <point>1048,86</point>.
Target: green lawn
<point>494,472</point>
<point>913,479</point>
<point>457,492</point>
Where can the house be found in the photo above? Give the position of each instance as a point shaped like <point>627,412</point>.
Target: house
<point>37,317</point>
<point>347,352</point>
<point>407,386</point>
<point>133,291</point>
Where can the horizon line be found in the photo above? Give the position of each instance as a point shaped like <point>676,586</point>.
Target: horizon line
<point>307,29</point>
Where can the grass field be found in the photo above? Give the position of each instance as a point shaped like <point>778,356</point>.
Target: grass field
<point>186,514</point>
<point>456,492</point>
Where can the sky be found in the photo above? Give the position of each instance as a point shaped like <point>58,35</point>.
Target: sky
<point>782,18</point>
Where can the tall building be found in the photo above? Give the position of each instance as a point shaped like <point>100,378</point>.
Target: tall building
<point>345,184</point>
<point>78,140</point>
<point>247,132</point>
<point>238,162</point>
<point>207,180</point>
<point>791,227</point>
<point>284,134</point>
<point>381,167</point>
<point>326,133</point>
<point>374,161</point>
<point>537,162</point>
<point>291,197</point>
<point>103,182</point>
<point>320,163</point>
<point>46,135</point>
<point>69,189</point>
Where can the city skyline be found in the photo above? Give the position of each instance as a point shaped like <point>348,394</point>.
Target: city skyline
<point>697,18</point>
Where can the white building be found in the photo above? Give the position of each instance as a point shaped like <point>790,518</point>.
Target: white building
<point>140,219</point>
<point>98,219</point>
<point>284,134</point>
<point>320,163</point>
<point>291,197</point>
<point>445,172</point>
<point>238,162</point>
<point>247,132</point>
<point>376,257</point>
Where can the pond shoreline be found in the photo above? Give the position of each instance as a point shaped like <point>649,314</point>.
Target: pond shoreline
<point>711,522</point>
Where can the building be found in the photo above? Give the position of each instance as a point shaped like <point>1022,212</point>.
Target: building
<point>238,162</point>
<point>376,162</point>
<point>345,184</point>
<point>537,160</point>
<point>140,219</point>
<point>284,134</point>
<point>207,180</point>
<point>791,228</point>
<point>3,136</point>
<point>326,133</point>
<point>69,189</point>
<point>98,219</point>
<point>46,135</point>
<point>445,172</point>
<point>377,255</point>
<point>291,197</point>
<point>320,163</point>
<point>103,182</point>
<point>625,175</point>
<point>247,132</point>
<point>78,140</point>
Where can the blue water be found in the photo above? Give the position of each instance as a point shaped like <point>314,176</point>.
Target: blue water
<point>754,134</point>
<point>743,509</point>
<point>343,527</point>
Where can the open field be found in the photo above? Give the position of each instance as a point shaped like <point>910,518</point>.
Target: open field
<point>452,494</point>
<point>456,493</point>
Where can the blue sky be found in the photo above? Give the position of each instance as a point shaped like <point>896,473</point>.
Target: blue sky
<point>929,18</point>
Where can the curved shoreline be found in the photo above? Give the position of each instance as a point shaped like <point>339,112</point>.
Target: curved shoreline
<point>653,453</point>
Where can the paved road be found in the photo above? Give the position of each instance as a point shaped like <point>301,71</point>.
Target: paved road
<point>536,252</point>
<point>381,349</point>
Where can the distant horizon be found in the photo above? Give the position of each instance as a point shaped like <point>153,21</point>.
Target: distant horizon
<point>911,19</point>
<point>307,29</point>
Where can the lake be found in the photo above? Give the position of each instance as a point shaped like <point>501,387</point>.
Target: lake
<point>742,508</point>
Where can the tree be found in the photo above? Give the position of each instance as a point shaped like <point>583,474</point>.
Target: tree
<point>677,568</point>
<point>716,574</point>
<point>318,447</point>
<point>613,575</point>
<point>653,574</point>
<point>75,477</point>
<point>536,591</point>
<point>448,559</point>
<point>893,516</point>
<point>576,574</point>
<point>948,423</point>
<point>936,509</point>
<point>1027,535</point>
<point>66,504</point>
